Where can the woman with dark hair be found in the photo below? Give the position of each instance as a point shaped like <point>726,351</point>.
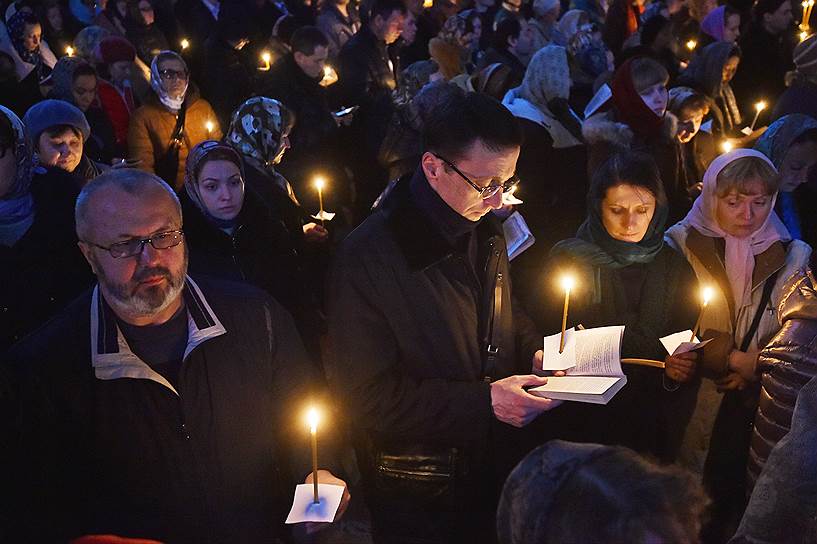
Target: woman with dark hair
<point>638,120</point>
<point>142,30</point>
<point>171,122</point>
<point>232,233</point>
<point>626,275</point>
<point>26,32</point>
<point>569,493</point>
<point>710,73</point>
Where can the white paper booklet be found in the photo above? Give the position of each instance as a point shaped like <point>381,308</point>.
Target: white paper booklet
<point>592,361</point>
<point>518,236</point>
<point>678,343</point>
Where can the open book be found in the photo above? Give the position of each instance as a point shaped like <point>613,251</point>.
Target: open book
<point>592,361</point>
<point>518,236</point>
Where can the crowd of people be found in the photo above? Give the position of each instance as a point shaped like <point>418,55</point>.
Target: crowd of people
<point>217,213</point>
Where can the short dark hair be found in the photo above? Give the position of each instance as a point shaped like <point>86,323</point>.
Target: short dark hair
<point>383,8</point>
<point>306,39</point>
<point>59,130</point>
<point>84,69</point>
<point>455,124</point>
<point>507,28</point>
<point>630,168</point>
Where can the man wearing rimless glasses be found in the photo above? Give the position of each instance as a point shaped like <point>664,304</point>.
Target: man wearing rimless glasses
<point>430,352</point>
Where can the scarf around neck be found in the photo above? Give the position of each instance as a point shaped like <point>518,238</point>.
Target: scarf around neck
<point>631,107</point>
<point>17,205</point>
<point>191,183</point>
<point>158,87</point>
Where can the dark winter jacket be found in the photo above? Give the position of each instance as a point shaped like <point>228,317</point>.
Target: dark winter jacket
<point>337,27</point>
<point>112,448</point>
<point>409,329</point>
<point>45,269</point>
<point>763,66</point>
<point>227,78</point>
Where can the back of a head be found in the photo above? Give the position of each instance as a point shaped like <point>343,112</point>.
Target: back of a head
<point>457,123</point>
<point>567,492</point>
<point>306,39</point>
<point>136,183</point>
<point>509,27</point>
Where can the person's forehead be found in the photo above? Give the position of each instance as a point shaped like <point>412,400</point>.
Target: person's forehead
<point>115,206</point>
<point>479,161</point>
<point>172,64</point>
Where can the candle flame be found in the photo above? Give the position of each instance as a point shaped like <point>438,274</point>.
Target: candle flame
<point>69,51</point>
<point>568,283</point>
<point>803,36</point>
<point>320,183</point>
<point>185,43</point>
<point>428,3</point>
<point>312,418</point>
<point>266,57</point>
<point>760,106</point>
<point>706,294</point>
<point>727,146</point>
<point>209,126</point>
<point>691,44</point>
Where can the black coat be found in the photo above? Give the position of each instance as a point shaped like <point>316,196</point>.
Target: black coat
<point>408,327</point>
<point>127,456</point>
<point>762,71</point>
<point>493,56</point>
<point>45,269</point>
<point>227,78</point>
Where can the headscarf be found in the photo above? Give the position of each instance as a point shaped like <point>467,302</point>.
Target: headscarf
<point>777,139</point>
<point>17,27</point>
<point>257,131</point>
<point>63,78</point>
<point>705,72</point>
<point>713,23</point>
<point>17,205</point>
<point>740,252</point>
<point>630,106</point>
<point>532,488</point>
<point>547,76</point>
<point>87,41</point>
<point>173,104</point>
<point>679,95</point>
<point>570,23</point>
<point>195,159</point>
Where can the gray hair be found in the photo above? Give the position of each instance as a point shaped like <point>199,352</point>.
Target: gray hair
<point>129,180</point>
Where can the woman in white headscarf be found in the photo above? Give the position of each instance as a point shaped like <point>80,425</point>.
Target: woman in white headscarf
<point>739,247</point>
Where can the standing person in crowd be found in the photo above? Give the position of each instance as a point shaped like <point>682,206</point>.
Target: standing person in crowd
<point>791,145</point>
<point>767,54</point>
<point>225,60</point>
<point>512,46</point>
<point>658,41</point>
<point>451,49</point>
<point>36,231</point>
<point>76,82</point>
<point>543,24</point>
<point>259,131</point>
<point>508,9</point>
<point>565,492</point>
<point>622,22</point>
<point>627,275</point>
<point>115,88</point>
<point>591,64</point>
<point>130,397</point>
<point>57,31</point>
<point>487,12</point>
<point>698,147</point>
<point>800,95</point>
<point>428,348</point>
<point>639,120</point>
<point>142,30</point>
<point>198,19</point>
<point>25,32</point>
<point>711,72</point>
<point>339,20</point>
<point>737,245</point>
<point>111,15</point>
<point>367,79</point>
<point>233,234</point>
<point>173,120</point>
<point>551,162</point>
<point>59,132</point>
<point>721,25</point>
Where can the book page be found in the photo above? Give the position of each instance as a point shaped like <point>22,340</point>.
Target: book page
<point>518,236</point>
<point>583,385</point>
<point>680,342</point>
<point>598,352</point>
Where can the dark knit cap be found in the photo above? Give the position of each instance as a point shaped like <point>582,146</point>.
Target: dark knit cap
<point>116,48</point>
<point>51,113</point>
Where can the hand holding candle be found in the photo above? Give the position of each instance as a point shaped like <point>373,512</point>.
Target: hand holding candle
<point>567,285</point>
<point>330,76</point>
<point>759,107</point>
<point>706,296</point>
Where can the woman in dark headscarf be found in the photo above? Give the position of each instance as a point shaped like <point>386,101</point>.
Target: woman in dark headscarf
<point>25,32</point>
<point>142,30</point>
<point>232,233</point>
<point>791,144</point>
<point>36,231</point>
<point>626,275</point>
<point>710,73</point>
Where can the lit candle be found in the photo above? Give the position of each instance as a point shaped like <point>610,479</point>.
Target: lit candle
<point>185,43</point>
<point>312,418</point>
<point>428,3</point>
<point>727,146</point>
<point>69,51</point>
<point>691,45</point>
<point>803,36</point>
<point>319,185</point>
<point>706,296</point>
<point>265,58</point>
<point>567,285</point>
<point>759,107</point>
<point>329,76</point>
<point>209,126</point>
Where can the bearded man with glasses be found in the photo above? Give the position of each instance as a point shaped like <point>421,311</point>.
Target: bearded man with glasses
<point>430,352</point>
<point>157,406</point>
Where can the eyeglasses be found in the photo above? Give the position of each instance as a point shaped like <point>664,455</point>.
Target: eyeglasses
<point>489,190</point>
<point>135,246</point>
<point>168,74</point>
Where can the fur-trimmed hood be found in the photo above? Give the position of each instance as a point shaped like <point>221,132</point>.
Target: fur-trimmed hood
<point>604,128</point>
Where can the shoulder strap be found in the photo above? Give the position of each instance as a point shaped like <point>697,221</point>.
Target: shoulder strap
<point>178,130</point>
<point>764,301</point>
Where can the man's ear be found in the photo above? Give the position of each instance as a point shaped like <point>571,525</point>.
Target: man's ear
<point>512,42</point>
<point>432,167</point>
<point>299,57</point>
<point>86,252</point>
